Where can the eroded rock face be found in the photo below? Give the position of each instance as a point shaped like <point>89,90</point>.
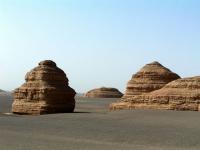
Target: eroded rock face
<point>104,93</point>
<point>45,91</point>
<point>151,77</point>
<point>181,94</point>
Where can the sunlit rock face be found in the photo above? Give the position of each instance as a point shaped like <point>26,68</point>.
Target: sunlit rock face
<point>45,91</point>
<point>151,77</point>
<point>181,94</point>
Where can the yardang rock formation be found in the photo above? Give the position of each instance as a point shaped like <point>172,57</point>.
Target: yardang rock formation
<point>104,93</point>
<point>151,77</point>
<point>181,94</point>
<point>45,91</point>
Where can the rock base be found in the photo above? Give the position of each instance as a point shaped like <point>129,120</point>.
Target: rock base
<point>178,107</point>
<point>39,108</point>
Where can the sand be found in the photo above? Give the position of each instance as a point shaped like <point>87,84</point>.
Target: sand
<point>94,127</point>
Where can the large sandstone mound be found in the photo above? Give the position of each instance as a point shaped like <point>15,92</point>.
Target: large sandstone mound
<point>46,91</point>
<point>104,93</point>
<point>181,94</point>
<point>151,77</point>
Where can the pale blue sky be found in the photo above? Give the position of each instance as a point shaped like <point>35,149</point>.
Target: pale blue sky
<point>98,42</point>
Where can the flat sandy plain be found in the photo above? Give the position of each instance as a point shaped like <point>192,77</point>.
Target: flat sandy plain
<point>94,127</point>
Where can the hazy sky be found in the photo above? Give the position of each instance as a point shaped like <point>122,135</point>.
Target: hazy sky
<point>98,42</point>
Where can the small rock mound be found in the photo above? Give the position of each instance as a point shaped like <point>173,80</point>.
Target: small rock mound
<point>45,91</point>
<point>104,93</point>
<point>151,77</point>
<point>181,94</point>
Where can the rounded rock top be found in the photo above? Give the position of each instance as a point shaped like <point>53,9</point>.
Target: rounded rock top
<point>47,63</point>
<point>155,63</point>
<point>107,89</point>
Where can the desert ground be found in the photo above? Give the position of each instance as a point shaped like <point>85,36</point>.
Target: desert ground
<point>93,126</point>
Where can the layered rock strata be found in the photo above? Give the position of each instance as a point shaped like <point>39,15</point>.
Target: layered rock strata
<point>45,91</point>
<point>181,94</point>
<point>151,77</point>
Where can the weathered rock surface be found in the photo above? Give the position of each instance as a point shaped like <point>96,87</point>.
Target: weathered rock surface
<point>181,94</point>
<point>151,77</point>
<point>104,93</point>
<point>45,91</point>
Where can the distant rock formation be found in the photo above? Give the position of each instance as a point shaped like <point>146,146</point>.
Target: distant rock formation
<point>79,95</point>
<point>45,91</point>
<point>5,93</point>
<point>104,93</point>
<point>181,94</point>
<point>151,77</point>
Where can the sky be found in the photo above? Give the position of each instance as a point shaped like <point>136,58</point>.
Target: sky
<point>98,42</point>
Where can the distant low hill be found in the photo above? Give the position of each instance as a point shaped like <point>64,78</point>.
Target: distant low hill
<point>6,99</point>
<point>79,95</point>
<point>2,90</point>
